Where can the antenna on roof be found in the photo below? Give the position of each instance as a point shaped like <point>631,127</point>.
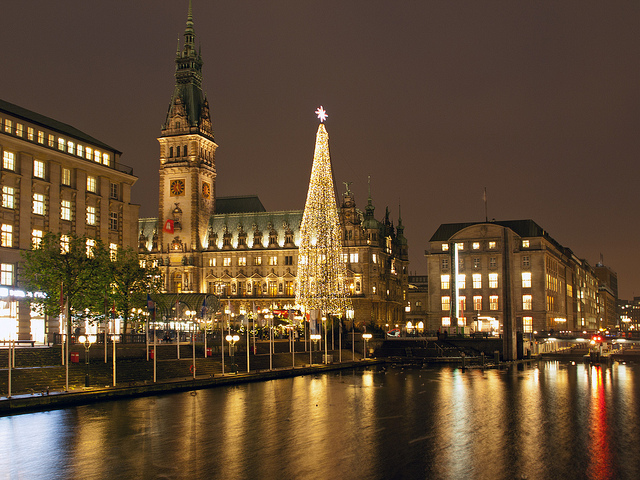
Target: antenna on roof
<point>486,217</point>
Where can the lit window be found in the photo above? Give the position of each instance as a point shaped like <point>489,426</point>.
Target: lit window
<point>476,245</point>
<point>345,257</point>
<point>8,197</point>
<point>114,188</point>
<point>91,215</point>
<point>445,303</point>
<point>71,147</point>
<point>444,282</point>
<point>358,286</point>
<point>374,257</point>
<point>30,133</point>
<point>91,243</point>
<point>36,238</point>
<point>65,210</point>
<point>273,260</point>
<point>64,243</point>
<point>493,280</point>
<point>66,177</point>
<point>525,243</point>
<point>527,301</point>
<point>9,160</point>
<point>97,156</point>
<point>19,129</point>
<point>445,247</point>
<point>477,302</point>
<point>52,141</point>
<point>80,150</point>
<point>493,302</point>
<point>113,220</point>
<point>92,184</point>
<point>462,281</point>
<point>227,261</point>
<point>88,153</point>
<point>527,324</point>
<point>526,279</point>
<point>106,160</point>
<point>113,252</point>
<point>61,144</point>
<point>38,204</point>
<point>7,235</point>
<point>462,303</point>
<point>477,280</point>
<point>242,261</point>
<point>353,258</point>
<point>257,261</point>
<point>460,246</point>
<point>492,244</point>
<point>446,321</point>
<point>212,262</point>
<point>40,137</point>
<point>6,274</point>
<point>38,169</point>
<point>8,126</point>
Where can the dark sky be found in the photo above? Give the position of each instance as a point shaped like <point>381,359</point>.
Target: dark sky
<point>537,101</point>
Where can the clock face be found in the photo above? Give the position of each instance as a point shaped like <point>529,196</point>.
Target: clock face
<point>206,190</point>
<point>177,187</point>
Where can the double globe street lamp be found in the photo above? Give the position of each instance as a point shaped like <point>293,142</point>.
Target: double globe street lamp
<point>232,339</point>
<point>86,341</point>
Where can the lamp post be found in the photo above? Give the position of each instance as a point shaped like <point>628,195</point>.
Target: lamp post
<point>314,338</point>
<point>351,316</point>
<point>232,339</point>
<point>86,341</point>
<point>366,337</point>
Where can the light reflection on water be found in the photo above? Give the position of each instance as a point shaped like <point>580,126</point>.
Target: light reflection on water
<point>552,421</point>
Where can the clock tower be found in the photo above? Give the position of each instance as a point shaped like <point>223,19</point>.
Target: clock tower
<point>187,156</point>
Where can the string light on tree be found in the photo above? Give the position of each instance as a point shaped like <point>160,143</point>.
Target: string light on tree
<point>322,274</point>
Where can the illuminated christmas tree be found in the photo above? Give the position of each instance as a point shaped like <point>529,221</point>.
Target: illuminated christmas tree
<point>322,274</point>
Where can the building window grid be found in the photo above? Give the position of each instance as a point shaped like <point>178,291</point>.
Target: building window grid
<point>8,197</point>
<point>9,160</point>
<point>6,238</point>
<point>38,204</point>
<point>493,280</point>
<point>477,280</point>
<point>65,210</point>
<point>6,274</point>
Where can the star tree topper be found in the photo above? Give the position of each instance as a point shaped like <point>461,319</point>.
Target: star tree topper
<point>321,113</point>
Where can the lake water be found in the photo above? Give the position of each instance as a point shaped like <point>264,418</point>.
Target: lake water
<point>544,421</point>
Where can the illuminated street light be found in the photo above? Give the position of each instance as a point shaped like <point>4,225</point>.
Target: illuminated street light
<point>232,339</point>
<point>86,341</point>
<point>366,337</point>
<point>315,337</point>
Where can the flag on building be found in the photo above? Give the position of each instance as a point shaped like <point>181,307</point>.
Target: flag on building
<point>150,304</point>
<point>168,226</point>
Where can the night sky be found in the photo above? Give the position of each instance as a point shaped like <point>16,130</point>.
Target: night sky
<point>537,101</point>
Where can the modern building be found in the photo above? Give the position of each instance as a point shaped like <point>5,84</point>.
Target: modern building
<point>54,178</point>
<point>233,247</point>
<point>480,273</point>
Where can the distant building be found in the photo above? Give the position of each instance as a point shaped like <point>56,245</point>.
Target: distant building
<point>480,272</point>
<point>417,309</point>
<point>629,314</point>
<point>55,178</point>
<point>233,247</point>
<point>608,313</point>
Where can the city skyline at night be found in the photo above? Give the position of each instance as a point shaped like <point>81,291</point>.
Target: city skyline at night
<point>537,103</point>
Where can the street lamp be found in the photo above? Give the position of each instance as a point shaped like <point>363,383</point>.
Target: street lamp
<point>86,341</point>
<point>315,337</point>
<point>366,337</point>
<point>232,339</point>
<point>351,316</point>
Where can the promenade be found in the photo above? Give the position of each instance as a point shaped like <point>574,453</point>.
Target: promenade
<point>38,379</point>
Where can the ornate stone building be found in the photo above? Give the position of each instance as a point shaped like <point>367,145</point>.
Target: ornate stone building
<point>54,178</point>
<point>233,247</point>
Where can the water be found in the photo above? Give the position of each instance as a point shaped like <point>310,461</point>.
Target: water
<point>539,422</point>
